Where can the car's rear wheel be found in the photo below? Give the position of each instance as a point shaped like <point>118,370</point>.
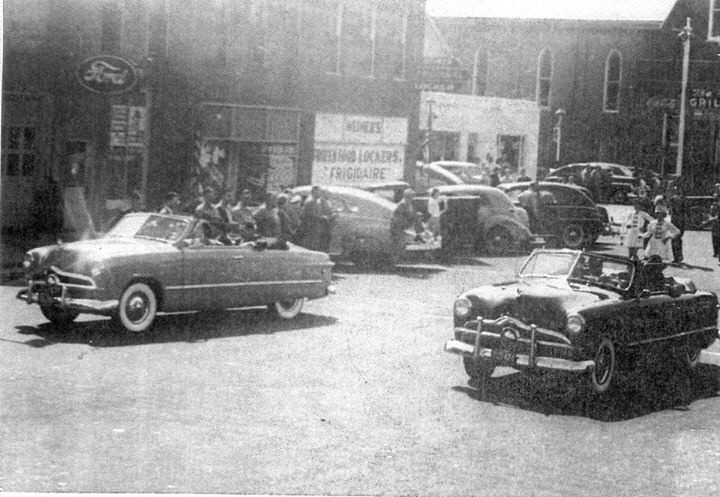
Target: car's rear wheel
<point>138,308</point>
<point>479,370</point>
<point>287,309</point>
<point>499,241</point>
<point>573,236</point>
<point>602,375</point>
<point>58,316</point>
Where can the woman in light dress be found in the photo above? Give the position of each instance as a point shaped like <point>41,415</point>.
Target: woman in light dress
<point>631,234</point>
<point>660,232</point>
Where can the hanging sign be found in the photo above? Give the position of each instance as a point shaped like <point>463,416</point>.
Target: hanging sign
<point>107,74</point>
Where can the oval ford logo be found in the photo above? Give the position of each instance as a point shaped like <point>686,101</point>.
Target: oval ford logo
<point>107,74</point>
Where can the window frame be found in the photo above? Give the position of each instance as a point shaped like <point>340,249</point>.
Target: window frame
<point>540,78</point>
<point>614,53</point>
<point>21,151</point>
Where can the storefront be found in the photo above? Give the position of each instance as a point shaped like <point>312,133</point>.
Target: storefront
<point>352,150</point>
<point>481,129</point>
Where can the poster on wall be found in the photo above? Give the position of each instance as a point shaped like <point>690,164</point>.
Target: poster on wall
<point>358,150</point>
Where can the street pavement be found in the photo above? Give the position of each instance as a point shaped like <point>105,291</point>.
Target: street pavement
<point>353,397</point>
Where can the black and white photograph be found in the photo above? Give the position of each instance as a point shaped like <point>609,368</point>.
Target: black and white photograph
<point>360,247</point>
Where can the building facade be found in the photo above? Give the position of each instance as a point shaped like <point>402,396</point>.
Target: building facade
<point>139,97</point>
<point>607,90</point>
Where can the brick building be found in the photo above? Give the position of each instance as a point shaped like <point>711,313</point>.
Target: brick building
<point>152,95</point>
<point>614,84</point>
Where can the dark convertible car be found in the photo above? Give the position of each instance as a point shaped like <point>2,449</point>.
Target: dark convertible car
<point>581,312</point>
<point>150,263</point>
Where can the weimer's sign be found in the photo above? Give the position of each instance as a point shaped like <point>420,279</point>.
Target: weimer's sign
<point>358,150</point>
<point>107,74</point>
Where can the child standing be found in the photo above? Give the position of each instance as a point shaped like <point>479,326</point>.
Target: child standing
<point>660,232</point>
<point>631,235</point>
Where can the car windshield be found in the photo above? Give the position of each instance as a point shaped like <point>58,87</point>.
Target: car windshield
<point>149,226</point>
<point>587,269</point>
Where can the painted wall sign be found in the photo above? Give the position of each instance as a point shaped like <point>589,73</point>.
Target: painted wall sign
<point>352,150</point>
<point>107,74</point>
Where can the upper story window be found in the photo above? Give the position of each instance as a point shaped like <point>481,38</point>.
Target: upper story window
<point>613,76</point>
<point>480,67</point>
<point>714,21</point>
<point>544,78</point>
<point>358,37</point>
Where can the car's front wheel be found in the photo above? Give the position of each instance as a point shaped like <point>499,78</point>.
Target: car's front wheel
<point>58,316</point>
<point>479,370</point>
<point>287,309</point>
<point>573,236</point>
<point>499,241</point>
<point>138,308</point>
<point>602,375</point>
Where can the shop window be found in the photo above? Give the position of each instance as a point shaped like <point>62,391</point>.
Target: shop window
<point>19,151</point>
<point>544,78</point>
<point>358,33</point>
<point>613,75</point>
<point>480,67</point>
<point>714,21</point>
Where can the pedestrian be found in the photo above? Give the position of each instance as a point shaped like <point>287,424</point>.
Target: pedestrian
<point>523,176</point>
<point>659,233</point>
<point>631,234</point>
<point>288,224</point>
<point>436,206</point>
<point>495,177</point>
<point>679,213</point>
<point>266,218</point>
<point>530,201</point>
<point>171,204</point>
<point>714,223</point>
<point>314,223</point>
<point>404,217</point>
<point>595,183</point>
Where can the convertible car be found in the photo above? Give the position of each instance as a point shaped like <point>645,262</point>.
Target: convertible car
<point>581,312</point>
<point>149,263</point>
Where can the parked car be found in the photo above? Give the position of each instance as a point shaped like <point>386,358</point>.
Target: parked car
<point>468,172</point>
<point>361,232</point>
<point>149,263</point>
<point>428,176</point>
<point>622,179</point>
<point>573,219</point>
<point>481,218</point>
<point>584,313</point>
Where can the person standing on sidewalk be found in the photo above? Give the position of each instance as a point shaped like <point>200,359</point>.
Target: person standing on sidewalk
<point>631,234</point>
<point>714,223</point>
<point>678,216</point>
<point>436,206</point>
<point>660,232</point>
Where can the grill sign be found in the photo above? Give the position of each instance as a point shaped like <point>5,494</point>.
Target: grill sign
<point>107,74</point>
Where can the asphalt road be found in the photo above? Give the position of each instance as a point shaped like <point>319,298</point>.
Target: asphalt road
<point>355,396</point>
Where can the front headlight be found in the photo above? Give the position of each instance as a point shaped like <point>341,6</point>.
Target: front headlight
<point>575,323</point>
<point>462,307</point>
<point>28,260</point>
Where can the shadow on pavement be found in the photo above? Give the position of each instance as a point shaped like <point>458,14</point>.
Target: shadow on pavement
<point>198,327</point>
<point>636,395</point>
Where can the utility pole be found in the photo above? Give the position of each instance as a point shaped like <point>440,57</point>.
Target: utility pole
<point>428,136</point>
<point>684,35</point>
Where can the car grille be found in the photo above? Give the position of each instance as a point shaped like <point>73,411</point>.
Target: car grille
<point>54,277</point>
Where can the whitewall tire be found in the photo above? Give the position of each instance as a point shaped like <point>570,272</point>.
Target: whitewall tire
<point>138,308</point>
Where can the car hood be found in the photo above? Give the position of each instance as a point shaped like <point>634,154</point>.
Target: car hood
<point>546,303</point>
<point>74,256</point>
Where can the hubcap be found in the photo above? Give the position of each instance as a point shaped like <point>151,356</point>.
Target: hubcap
<point>136,308</point>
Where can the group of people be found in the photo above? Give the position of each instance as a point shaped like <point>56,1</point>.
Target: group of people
<point>283,216</point>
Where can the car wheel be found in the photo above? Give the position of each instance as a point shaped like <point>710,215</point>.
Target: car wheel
<point>479,370</point>
<point>499,241</point>
<point>58,316</point>
<point>573,236</point>
<point>138,308</point>
<point>287,309</point>
<point>602,374</point>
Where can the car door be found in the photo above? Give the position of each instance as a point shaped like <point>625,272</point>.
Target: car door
<point>211,276</point>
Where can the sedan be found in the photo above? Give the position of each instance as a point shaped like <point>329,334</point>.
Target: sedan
<point>151,263</point>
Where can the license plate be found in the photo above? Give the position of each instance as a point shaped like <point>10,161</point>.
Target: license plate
<point>503,356</point>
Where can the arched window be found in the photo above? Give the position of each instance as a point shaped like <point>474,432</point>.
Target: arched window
<point>613,76</point>
<point>544,78</point>
<point>479,81</point>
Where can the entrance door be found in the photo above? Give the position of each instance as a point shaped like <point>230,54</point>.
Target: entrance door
<point>19,164</point>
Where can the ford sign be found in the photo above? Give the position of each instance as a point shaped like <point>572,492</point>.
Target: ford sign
<point>107,74</point>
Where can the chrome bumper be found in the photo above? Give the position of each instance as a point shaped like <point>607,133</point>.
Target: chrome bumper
<point>525,361</point>
<point>64,302</point>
